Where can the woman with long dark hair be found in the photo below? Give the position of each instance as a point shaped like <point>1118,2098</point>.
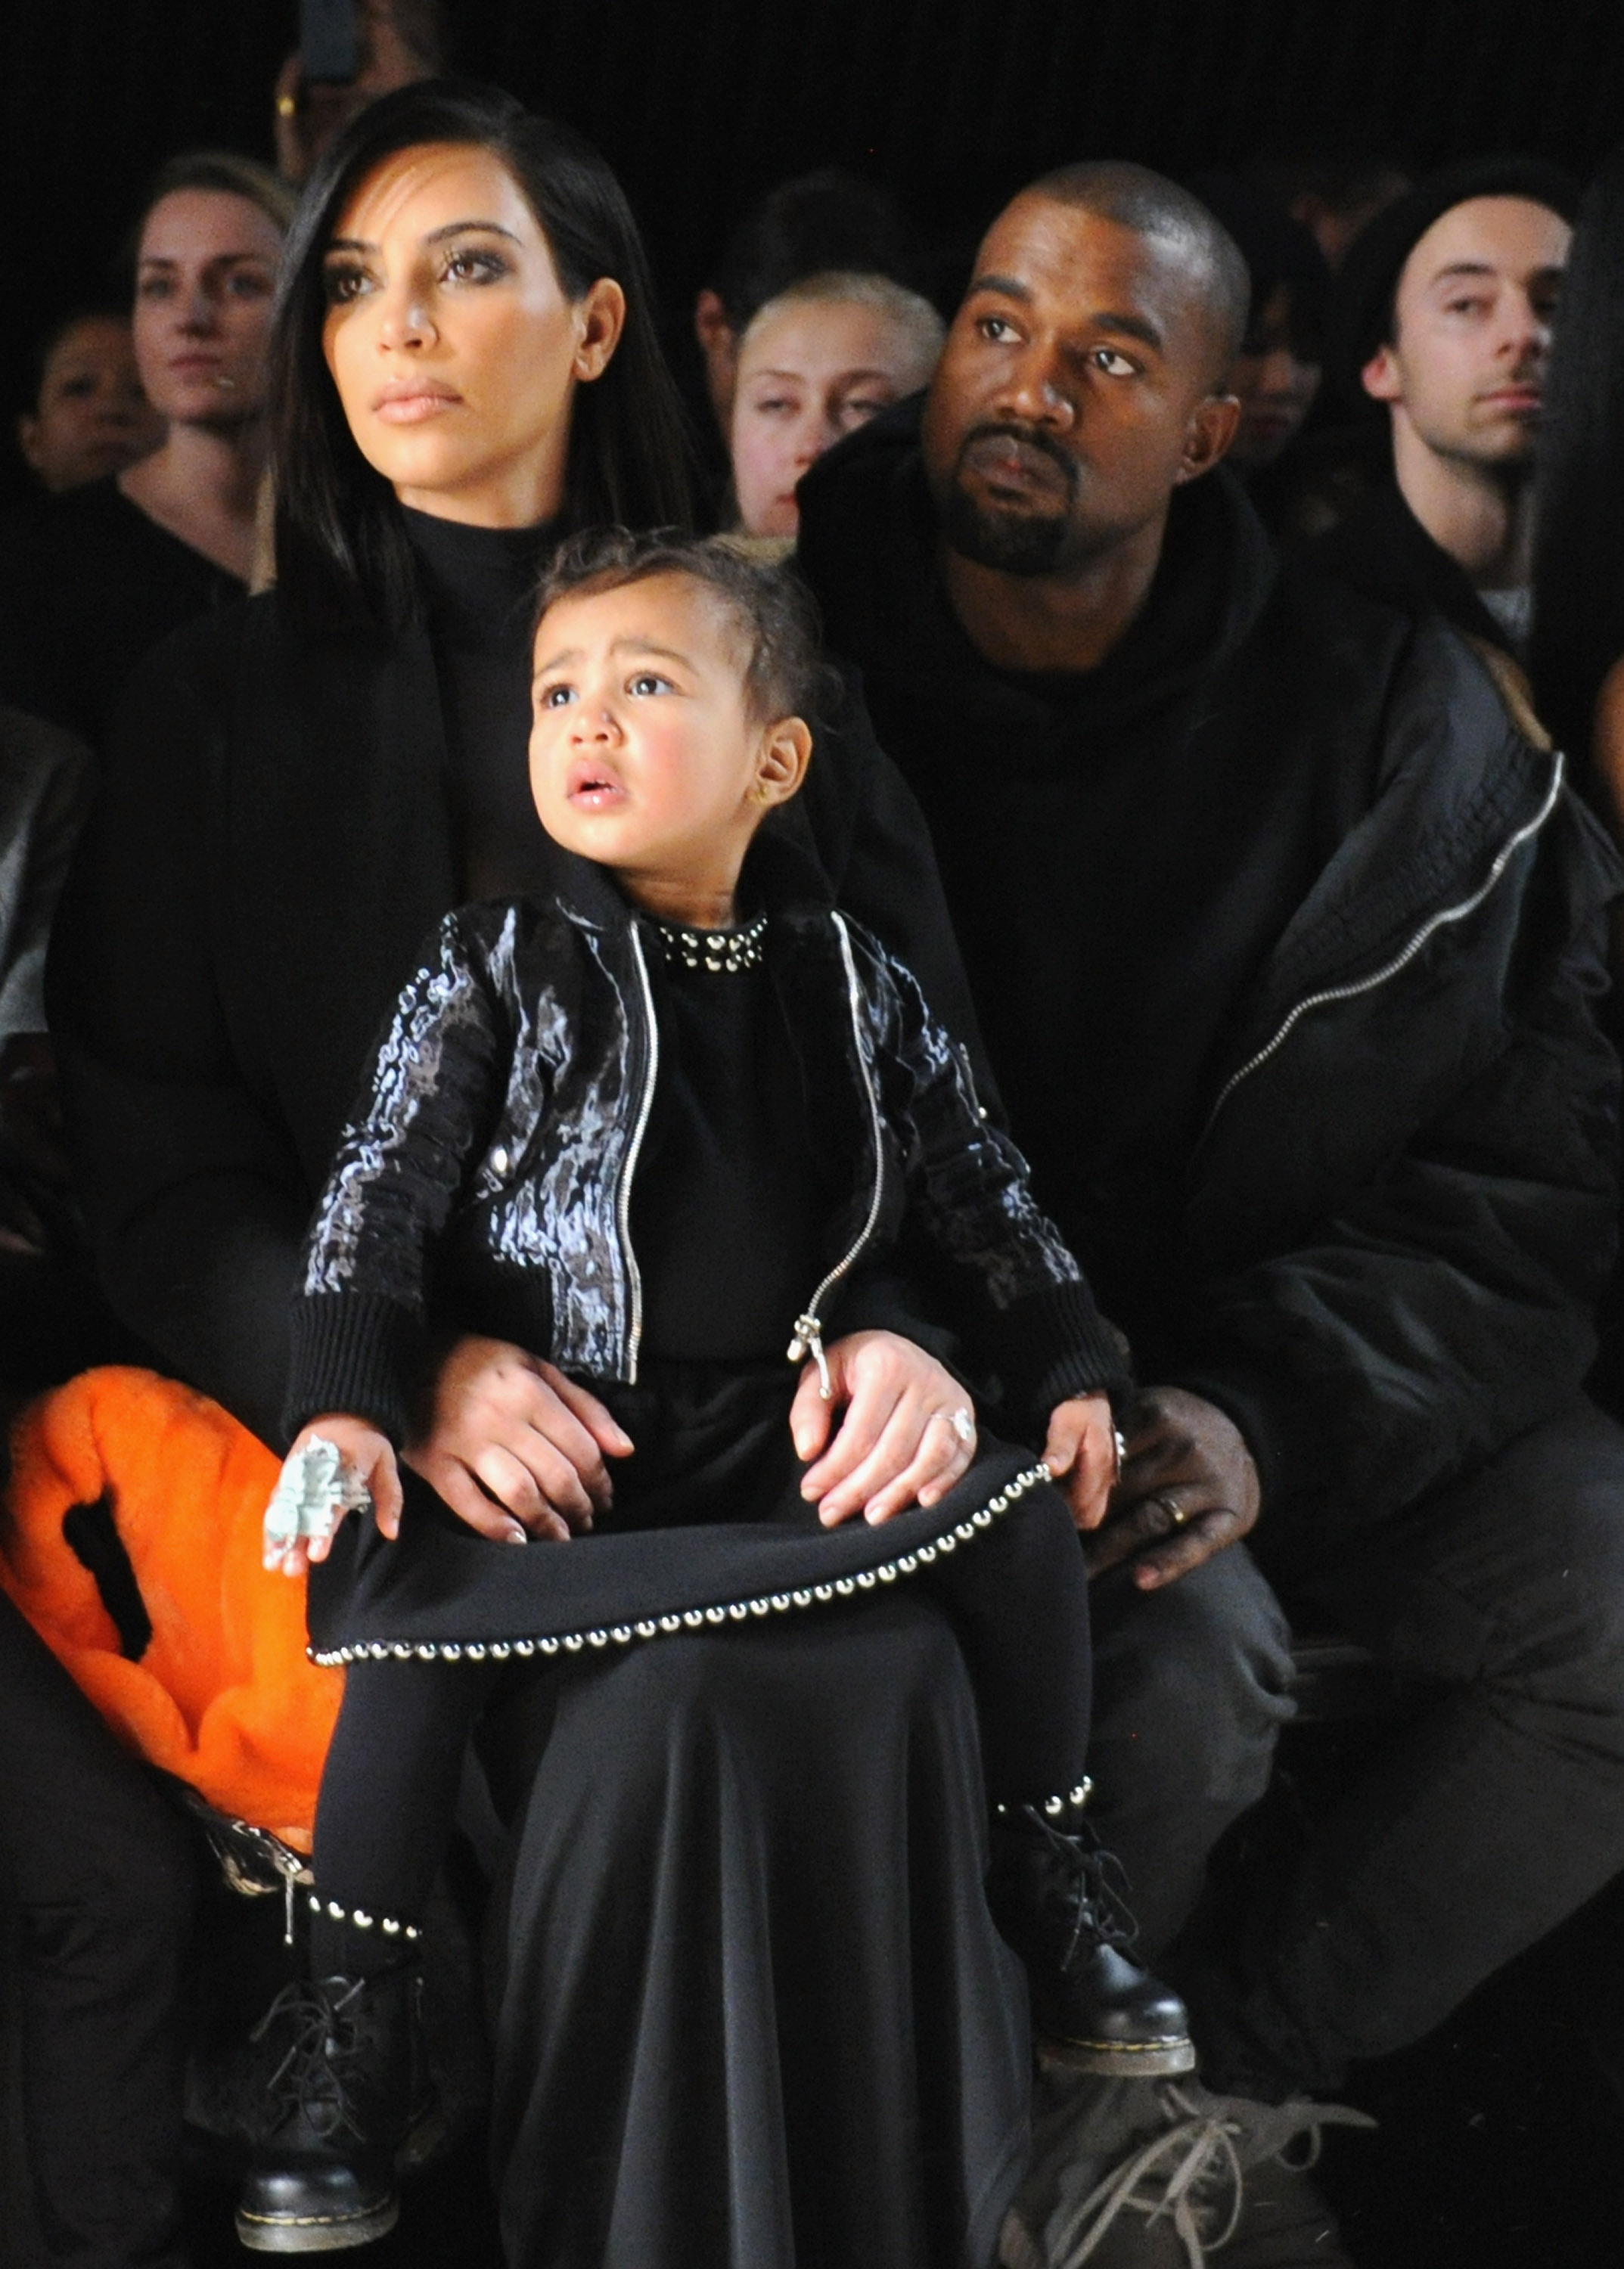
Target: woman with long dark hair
<point>750,2008</point>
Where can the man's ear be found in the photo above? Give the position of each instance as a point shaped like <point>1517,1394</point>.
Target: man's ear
<point>1207,436</point>
<point>781,764</point>
<point>1380,377</point>
<point>28,439</point>
<point>600,318</point>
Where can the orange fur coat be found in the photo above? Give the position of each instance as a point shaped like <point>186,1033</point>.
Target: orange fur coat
<point>224,1695</point>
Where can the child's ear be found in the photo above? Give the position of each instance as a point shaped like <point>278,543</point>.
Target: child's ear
<point>782,764</point>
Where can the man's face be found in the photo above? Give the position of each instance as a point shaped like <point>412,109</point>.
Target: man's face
<point>1078,388</point>
<point>1473,312</point>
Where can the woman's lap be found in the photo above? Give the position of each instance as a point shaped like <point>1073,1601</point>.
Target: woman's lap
<point>752,2011</point>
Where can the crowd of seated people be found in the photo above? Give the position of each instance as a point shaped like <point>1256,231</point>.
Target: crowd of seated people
<point>1210,786</point>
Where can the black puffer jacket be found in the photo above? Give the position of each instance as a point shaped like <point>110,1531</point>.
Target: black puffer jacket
<point>1384,1225</point>
<point>486,1178</point>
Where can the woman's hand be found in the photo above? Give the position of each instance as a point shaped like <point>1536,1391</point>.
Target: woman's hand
<point>1081,1454</point>
<point>515,1448</point>
<point>369,1456</point>
<point>899,1443</point>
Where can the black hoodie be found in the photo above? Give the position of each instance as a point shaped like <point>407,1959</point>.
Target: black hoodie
<point>1284,942</point>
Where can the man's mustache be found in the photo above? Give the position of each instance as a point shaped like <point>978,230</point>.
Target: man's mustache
<point>1030,436</point>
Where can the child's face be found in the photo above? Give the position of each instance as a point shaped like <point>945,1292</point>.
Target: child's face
<point>643,753</point>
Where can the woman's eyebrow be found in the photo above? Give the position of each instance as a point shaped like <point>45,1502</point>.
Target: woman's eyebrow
<point>434,236</point>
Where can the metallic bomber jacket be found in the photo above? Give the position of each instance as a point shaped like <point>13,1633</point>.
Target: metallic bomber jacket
<point>489,1169</point>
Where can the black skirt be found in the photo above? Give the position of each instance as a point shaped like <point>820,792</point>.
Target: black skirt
<point>709,1528</point>
<point>748,2007</point>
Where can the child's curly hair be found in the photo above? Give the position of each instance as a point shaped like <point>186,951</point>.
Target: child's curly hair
<point>785,675</point>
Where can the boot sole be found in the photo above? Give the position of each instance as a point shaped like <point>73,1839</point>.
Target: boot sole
<point>1120,2060</point>
<point>270,2234</point>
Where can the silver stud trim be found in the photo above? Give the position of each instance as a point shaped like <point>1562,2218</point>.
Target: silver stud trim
<point>696,1618</point>
<point>359,1919</point>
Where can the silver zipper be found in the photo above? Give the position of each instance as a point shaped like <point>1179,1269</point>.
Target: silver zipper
<point>1401,960</point>
<point>809,1336</point>
<point>623,1206</point>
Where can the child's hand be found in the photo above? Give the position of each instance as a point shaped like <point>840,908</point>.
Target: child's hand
<point>908,1434</point>
<point>368,1461</point>
<point>1081,1455</point>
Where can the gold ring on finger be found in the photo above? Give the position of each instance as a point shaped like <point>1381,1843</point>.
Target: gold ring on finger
<point>1178,1514</point>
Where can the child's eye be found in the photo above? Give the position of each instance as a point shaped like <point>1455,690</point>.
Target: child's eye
<point>555,697</point>
<point>649,681</point>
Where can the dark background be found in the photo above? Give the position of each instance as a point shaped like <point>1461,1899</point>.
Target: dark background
<point>700,103</point>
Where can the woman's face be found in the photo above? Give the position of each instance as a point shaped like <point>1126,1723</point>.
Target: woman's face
<point>811,372</point>
<point>1276,375</point>
<point>205,277</point>
<point>454,350</point>
<point>92,417</point>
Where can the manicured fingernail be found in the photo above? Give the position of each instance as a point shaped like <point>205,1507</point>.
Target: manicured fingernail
<point>516,1535</point>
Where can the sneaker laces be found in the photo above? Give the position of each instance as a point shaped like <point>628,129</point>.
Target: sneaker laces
<point>1192,2174</point>
<point>311,2079</point>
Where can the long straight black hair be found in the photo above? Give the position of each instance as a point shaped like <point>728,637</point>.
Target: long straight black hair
<point>1578,571</point>
<point>342,557</point>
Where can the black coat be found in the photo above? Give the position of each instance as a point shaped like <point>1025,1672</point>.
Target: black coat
<point>1395,1204</point>
<point>1382,551</point>
<point>272,842</point>
<point>487,1176</point>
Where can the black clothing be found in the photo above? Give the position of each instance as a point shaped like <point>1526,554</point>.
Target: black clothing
<point>1382,551</point>
<point>1394,1208</point>
<point>811,2040</point>
<point>88,586</point>
<point>728,1197</point>
<point>1457,1843</point>
<point>271,844</point>
<point>1392,1146</point>
<point>484,1177</point>
<point>479,588</point>
<point>100,1873</point>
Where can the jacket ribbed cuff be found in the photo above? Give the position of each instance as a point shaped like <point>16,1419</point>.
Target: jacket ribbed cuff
<point>1055,1344</point>
<point>356,1352</point>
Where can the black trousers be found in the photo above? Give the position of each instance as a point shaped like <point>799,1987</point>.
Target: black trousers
<point>1489,1815</point>
<point>103,1874</point>
<point>1019,1596</point>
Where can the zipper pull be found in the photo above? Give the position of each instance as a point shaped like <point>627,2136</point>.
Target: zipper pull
<point>289,1868</point>
<point>808,1341</point>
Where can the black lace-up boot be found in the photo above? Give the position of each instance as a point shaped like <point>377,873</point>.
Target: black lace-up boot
<point>345,2093</point>
<point>1058,1898</point>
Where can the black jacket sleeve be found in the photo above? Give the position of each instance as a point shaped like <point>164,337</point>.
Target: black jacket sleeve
<point>195,1198</point>
<point>1030,1309</point>
<point>360,1334</point>
<point>1446,1305</point>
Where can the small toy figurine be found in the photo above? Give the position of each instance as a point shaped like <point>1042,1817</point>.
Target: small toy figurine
<point>314,1491</point>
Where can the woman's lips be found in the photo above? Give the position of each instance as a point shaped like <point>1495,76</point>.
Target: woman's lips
<point>411,408</point>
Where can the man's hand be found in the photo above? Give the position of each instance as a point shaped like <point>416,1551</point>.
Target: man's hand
<point>1081,1454</point>
<point>1189,1487</point>
<point>515,1448</point>
<point>899,1443</point>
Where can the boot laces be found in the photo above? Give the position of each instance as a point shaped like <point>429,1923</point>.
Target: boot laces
<point>311,2081</point>
<point>1098,1891</point>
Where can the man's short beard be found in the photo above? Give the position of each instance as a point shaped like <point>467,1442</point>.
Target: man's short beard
<point>1013,543</point>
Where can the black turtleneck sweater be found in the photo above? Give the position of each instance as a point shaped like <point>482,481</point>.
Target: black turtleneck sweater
<point>479,588</point>
<point>1122,848</point>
